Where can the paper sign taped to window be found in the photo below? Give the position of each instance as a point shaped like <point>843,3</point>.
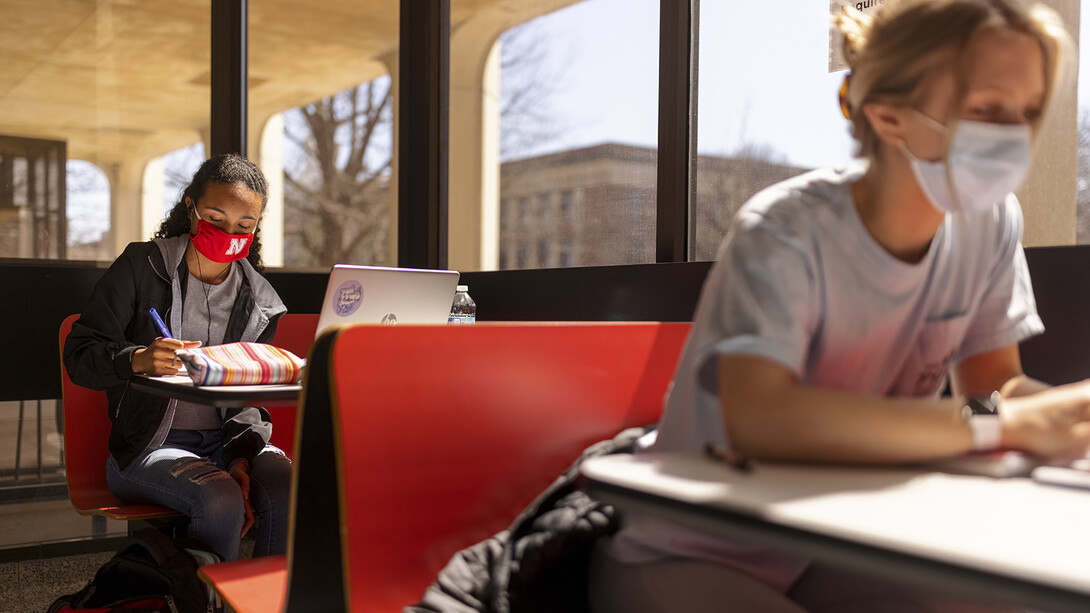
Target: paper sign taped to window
<point>836,57</point>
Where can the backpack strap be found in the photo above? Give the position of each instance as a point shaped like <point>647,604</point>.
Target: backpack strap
<point>178,564</point>
<point>159,545</point>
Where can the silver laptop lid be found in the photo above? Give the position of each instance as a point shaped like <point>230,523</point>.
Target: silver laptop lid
<point>374,294</point>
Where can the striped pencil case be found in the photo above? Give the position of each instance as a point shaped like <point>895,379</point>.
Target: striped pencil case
<point>241,364</point>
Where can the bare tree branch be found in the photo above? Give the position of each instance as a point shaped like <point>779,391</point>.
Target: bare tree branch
<point>336,188</point>
<point>340,153</point>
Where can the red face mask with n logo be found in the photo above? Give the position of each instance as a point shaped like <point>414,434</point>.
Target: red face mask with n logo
<point>219,246</point>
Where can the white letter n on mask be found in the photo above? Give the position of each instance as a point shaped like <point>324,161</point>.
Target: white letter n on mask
<point>987,161</point>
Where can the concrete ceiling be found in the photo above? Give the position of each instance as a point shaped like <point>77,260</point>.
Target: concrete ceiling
<point>125,79</point>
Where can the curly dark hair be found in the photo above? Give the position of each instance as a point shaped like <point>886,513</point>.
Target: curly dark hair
<point>225,169</point>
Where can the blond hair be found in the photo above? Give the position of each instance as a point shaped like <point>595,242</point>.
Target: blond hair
<point>894,54</point>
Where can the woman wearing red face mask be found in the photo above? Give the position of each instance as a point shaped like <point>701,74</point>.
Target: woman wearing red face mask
<point>201,272</point>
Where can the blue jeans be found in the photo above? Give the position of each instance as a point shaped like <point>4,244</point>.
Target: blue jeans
<point>187,474</point>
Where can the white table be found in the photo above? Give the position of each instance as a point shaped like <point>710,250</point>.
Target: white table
<point>1010,540</point>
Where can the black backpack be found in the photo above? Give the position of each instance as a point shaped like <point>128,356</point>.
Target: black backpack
<point>150,573</point>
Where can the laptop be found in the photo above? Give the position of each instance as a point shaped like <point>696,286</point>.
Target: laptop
<point>374,294</point>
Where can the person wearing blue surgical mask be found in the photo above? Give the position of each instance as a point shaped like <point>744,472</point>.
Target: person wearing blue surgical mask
<point>843,301</point>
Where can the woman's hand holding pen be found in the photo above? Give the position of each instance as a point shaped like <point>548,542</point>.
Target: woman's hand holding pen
<point>158,358</point>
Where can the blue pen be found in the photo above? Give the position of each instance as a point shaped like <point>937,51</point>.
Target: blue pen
<point>159,323</point>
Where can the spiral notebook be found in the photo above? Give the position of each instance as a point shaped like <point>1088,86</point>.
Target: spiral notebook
<point>375,294</point>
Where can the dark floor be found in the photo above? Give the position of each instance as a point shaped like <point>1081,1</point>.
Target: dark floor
<point>30,586</point>
<point>34,538</point>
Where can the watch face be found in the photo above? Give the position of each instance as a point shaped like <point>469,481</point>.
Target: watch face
<point>984,405</point>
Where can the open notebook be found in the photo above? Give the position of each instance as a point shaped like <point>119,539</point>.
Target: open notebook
<point>373,294</point>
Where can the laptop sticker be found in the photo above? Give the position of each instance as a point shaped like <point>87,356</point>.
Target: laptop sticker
<point>348,298</point>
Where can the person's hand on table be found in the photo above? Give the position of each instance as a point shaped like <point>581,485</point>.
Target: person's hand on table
<point>1054,423</point>
<point>158,358</point>
<point>240,472</point>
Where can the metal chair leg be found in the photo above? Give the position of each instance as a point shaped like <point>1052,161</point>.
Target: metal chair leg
<point>19,440</point>
<point>39,441</point>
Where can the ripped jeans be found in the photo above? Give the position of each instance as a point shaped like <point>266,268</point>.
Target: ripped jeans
<point>187,474</point>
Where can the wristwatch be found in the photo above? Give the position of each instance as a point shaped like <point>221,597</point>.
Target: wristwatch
<point>981,413</point>
<point>984,405</point>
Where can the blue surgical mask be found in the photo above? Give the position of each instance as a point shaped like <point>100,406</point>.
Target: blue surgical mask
<point>986,161</point>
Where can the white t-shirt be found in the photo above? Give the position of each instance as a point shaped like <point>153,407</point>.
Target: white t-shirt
<point>800,280</point>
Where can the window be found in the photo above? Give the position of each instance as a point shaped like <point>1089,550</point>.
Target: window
<point>115,89</point>
<point>567,253</point>
<point>755,130</point>
<point>32,198</point>
<point>178,169</point>
<point>637,204</point>
<point>523,255</point>
<point>88,211</point>
<point>321,116</point>
<point>165,180</point>
<point>567,205</point>
<point>337,173</point>
<point>526,216</point>
<point>636,247</point>
<point>505,220</point>
<point>579,113</point>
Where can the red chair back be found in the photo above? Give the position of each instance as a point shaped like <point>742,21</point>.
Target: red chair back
<point>444,434</point>
<point>86,430</point>
<point>294,332</point>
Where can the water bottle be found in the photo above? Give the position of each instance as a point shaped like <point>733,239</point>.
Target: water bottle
<point>463,310</point>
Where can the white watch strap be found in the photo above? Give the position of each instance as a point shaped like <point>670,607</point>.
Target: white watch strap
<point>987,432</point>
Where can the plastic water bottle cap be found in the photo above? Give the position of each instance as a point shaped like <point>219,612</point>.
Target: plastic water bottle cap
<point>462,288</point>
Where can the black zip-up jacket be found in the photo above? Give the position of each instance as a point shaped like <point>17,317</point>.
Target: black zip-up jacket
<point>115,323</point>
<point>540,563</point>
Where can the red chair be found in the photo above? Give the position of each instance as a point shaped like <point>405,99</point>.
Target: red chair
<point>87,428</point>
<point>438,437</point>
<point>446,437</point>
<point>294,332</point>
